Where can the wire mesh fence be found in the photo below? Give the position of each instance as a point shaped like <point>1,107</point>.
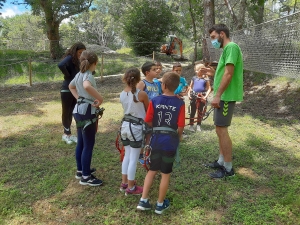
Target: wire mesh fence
<point>271,48</point>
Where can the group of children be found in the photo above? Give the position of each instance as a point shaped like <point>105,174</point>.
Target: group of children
<point>154,118</point>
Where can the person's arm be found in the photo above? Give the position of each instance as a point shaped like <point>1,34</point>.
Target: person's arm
<point>181,121</point>
<point>229,69</point>
<point>143,97</point>
<point>190,88</point>
<point>93,92</point>
<point>141,85</point>
<point>209,71</point>
<point>73,91</point>
<point>208,89</point>
<point>148,120</point>
<point>63,65</point>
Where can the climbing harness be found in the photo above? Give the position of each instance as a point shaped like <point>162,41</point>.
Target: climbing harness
<point>98,113</point>
<point>146,156</point>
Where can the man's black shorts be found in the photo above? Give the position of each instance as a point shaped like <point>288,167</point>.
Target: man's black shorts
<point>223,115</point>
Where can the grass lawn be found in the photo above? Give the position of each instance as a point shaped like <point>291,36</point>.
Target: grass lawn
<point>37,173</point>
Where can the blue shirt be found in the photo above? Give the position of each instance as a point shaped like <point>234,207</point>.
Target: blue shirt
<point>182,84</point>
<point>152,89</point>
<point>166,114</point>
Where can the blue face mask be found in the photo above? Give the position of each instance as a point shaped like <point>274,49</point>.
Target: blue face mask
<point>215,43</point>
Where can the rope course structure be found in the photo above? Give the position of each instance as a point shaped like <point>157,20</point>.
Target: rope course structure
<point>272,47</point>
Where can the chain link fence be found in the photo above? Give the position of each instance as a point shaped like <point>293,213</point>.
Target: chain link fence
<point>271,48</point>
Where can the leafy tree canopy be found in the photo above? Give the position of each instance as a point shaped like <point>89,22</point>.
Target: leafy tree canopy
<point>146,25</point>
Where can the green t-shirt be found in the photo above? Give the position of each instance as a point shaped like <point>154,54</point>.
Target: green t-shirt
<point>232,54</point>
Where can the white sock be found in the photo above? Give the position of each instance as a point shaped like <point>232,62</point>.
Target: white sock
<point>159,204</point>
<point>144,199</point>
<point>221,160</point>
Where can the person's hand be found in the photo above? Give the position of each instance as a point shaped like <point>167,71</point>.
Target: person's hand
<point>180,138</point>
<point>216,102</point>
<point>209,71</point>
<point>96,103</point>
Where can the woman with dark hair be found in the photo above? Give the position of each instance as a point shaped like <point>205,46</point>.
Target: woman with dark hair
<point>69,66</point>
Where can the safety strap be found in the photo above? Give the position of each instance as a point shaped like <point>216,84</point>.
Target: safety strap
<point>164,130</point>
<point>85,123</point>
<point>132,119</point>
<point>84,100</point>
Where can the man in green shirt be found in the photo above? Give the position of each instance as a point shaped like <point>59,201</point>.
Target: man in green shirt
<point>228,89</point>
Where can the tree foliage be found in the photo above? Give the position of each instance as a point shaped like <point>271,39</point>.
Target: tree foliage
<point>146,25</point>
<point>54,12</point>
<point>1,4</point>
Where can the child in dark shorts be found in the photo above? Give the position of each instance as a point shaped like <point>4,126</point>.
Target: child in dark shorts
<point>166,116</point>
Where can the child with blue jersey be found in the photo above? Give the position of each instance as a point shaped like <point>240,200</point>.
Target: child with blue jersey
<point>151,86</point>
<point>166,116</point>
<point>182,88</point>
<point>149,69</point>
<point>199,85</point>
<point>83,87</point>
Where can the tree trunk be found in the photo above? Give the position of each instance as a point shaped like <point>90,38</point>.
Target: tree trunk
<point>52,28</point>
<point>53,36</point>
<point>209,21</point>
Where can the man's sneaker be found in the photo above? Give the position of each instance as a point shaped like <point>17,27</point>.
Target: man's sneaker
<point>73,138</point>
<point>137,191</point>
<point>198,128</point>
<point>123,187</point>
<point>221,173</point>
<point>160,209</point>
<point>144,205</point>
<point>214,165</point>
<point>67,139</point>
<point>91,181</point>
<point>191,128</point>
<point>141,161</point>
<point>79,174</point>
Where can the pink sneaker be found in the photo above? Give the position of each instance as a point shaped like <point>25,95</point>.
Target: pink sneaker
<point>137,191</point>
<point>124,186</point>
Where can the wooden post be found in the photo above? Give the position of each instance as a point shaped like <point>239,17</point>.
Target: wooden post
<point>101,72</point>
<point>153,56</point>
<point>30,71</point>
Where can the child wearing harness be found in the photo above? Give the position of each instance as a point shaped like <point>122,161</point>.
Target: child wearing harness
<point>135,103</point>
<point>200,85</point>
<point>182,88</point>
<point>166,116</point>
<point>83,88</point>
<point>150,86</point>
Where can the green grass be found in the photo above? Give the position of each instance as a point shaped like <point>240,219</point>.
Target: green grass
<point>37,184</point>
<point>14,66</point>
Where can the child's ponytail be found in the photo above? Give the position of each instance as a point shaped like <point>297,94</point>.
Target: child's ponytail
<point>131,78</point>
<point>87,58</point>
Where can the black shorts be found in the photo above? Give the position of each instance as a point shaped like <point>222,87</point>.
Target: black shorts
<point>223,115</point>
<point>162,160</point>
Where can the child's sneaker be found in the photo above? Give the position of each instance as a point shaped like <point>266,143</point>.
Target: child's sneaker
<point>144,205</point>
<point>136,191</point>
<point>73,138</point>
<point>123,187</point>
<point>198,128</point>
<point>78,175</point>
<point>66,138</point>
<point>160,209</point>
<point>91,181</point>
<point>191,128</point>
